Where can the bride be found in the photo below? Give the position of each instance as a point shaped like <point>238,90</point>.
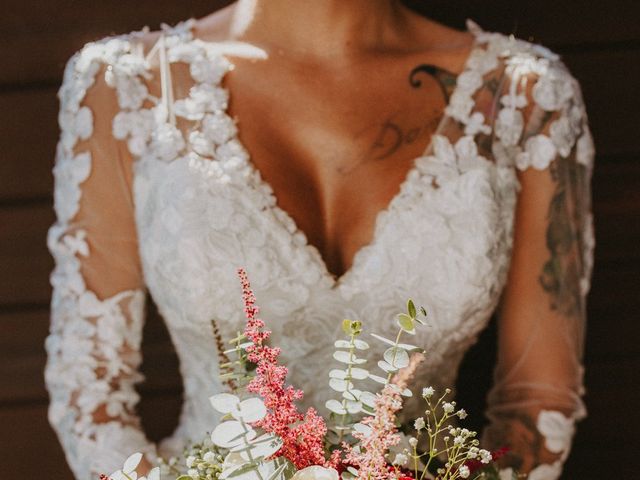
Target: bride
<point>349,155</point>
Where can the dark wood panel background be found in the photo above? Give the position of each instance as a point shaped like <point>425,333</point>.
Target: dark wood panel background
<point>600,43</point>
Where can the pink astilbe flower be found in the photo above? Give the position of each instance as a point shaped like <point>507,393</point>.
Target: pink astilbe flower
<point>370,459</point>
<point>302,435</point>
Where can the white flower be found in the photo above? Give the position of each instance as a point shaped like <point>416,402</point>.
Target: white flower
<point>513,100</point>
<point>464,471</point>
<point>506,474</point>
<point>475,124</point>
<point>419,423</point>
<point>448,407</point>
<point>462,414</point>
<point>546,472</point>
<point>316,472</point>
<point>428,392</point>
<point>485,455</point>
<point>563,136</point>
<point>469,81</point>
<point>413,442</point>
<point>552,90</point>
<point>538,153</point>
<point>400,459</point>
<point>509,126</point>
<point>219,127</point>
<point>482,61</point>
<point>166,142</point>
<point>557,430</point>
<point>190,461</point>
<point>208,70</point>
<point>460,105</point>
<point>83,124</point>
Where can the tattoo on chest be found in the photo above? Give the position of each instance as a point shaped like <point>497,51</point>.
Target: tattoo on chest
<point>445,79</point>
<point>391,136</point>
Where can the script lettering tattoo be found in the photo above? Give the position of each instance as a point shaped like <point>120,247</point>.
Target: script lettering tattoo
<point>391,137</point>
<point>560,276</point>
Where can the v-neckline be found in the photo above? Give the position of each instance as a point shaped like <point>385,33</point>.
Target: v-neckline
<point>282,217</point>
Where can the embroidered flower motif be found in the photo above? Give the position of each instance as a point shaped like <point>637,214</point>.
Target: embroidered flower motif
<point>546,472</point>
<point>202,98</point>
<point>69,173</point>
<point>475,124</point>
<point>557,430</point>
<point>552,91</point>
<point>509,126</point>
<point>166,142</point>
<point>209,70</point>
<point>563,136</point>
<point>219,127</point>
<point>538,153</point>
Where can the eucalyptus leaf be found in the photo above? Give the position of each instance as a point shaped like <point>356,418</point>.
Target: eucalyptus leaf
<point>353,407</point>
<point>410,348</point>
<point>224,402</point>
<point>342,356</point>
<point>359,373</point>
<point>339,374</point>
<point>132,463</point>
<point>382,339</point>
<point>411,309</point>
<point>278,473</point>
<point>352,395</point>
<point>264,446</point>
<point>360,344</point>
<point>387,367</point>
<point>406,393</point>
<point>378,379</point>
<point>340,385</point>
<point>368,399</point>
<point>154,474</point>
<point>346,326</point>
<point>341,344</point>
<point>397,357</point>
<point>405,322</point>
<point>251,410</point>
<point>362,429</point>
<point>335,406</point>
<point>346,357</point>
<point>231,433</point>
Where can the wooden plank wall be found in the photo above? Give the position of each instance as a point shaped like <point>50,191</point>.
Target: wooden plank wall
<point>601,45</point>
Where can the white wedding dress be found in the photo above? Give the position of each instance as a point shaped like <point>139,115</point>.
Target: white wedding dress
<point>155,192</point>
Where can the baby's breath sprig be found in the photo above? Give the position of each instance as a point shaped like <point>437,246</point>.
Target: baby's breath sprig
<point>457,445</point>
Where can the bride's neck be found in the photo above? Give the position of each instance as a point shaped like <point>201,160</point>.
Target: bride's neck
<point>320,27</point>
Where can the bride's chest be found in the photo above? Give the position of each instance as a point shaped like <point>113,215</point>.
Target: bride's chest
<point>446,247</point>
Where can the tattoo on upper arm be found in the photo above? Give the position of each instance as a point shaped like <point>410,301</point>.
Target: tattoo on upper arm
<point>560,274</point>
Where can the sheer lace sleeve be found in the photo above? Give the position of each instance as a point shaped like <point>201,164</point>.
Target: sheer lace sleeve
<point>542,128</point>
<point>98,298</point>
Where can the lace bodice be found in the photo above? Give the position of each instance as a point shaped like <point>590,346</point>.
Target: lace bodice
<point>155,191</point>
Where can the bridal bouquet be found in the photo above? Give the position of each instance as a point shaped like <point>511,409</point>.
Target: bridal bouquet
<point>263,435</point>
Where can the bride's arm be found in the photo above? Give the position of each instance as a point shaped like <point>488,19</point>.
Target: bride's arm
<point>97,307</point>
<point>536,398</point>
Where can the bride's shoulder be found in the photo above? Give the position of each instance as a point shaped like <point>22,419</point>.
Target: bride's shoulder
<point>516,55</point>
